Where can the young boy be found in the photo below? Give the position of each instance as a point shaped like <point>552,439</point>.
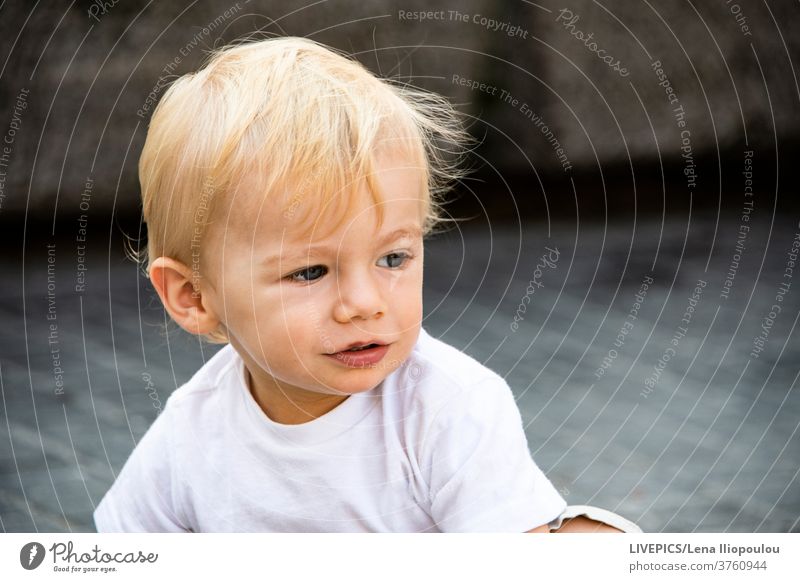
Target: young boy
<point>287,192</point>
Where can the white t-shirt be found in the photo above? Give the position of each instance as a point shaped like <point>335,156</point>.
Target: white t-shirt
<point>437,446</point>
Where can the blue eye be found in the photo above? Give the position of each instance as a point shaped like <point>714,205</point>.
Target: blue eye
<point>395,260</point>
<point>309,274</point>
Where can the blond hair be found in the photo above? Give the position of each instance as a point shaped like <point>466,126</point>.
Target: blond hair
<point>298,116</point>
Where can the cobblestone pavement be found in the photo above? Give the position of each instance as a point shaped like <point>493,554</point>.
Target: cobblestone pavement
<point>655,402</point>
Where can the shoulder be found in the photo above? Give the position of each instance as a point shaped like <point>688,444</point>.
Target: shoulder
<point>205,390</point>
<point>436,374</point>
<point>215,372</point>
<point>150,493</point>
<point>448,366</point>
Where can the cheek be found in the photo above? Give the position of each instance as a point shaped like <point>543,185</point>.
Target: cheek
<point>406,302</point>
<point>411,284</point>
<point>283,334</point>
<point>290,318</point>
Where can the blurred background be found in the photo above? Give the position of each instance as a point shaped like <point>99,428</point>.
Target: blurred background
<point>647,151</point>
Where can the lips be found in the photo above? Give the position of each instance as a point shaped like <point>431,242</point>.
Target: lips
<point>370,353</point>
<point>358,346</point>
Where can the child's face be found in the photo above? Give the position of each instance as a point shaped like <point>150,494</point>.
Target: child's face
<point>290,299</point>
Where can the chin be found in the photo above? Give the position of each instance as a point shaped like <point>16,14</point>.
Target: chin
<point>357,381</point>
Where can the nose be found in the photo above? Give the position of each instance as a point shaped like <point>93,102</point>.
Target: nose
<point>360,297</point>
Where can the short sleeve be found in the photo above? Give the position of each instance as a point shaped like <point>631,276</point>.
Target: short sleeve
<point>481,474</point>
<point>142,499</point>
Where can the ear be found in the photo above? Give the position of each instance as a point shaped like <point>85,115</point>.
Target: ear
<point>182,300</point>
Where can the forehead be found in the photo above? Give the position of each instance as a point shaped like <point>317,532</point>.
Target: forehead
<point>304,211</point>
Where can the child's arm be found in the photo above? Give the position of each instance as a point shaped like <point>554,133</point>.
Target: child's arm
<point>578,524</point>
<point>589,519</point>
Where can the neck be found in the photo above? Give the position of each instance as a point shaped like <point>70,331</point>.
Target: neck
<point>288,405</point>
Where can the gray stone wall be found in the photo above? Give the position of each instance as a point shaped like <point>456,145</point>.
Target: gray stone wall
<point>79,79</point>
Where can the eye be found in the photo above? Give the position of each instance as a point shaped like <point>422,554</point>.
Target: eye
<point>395,260</point>
<point>308,274</point>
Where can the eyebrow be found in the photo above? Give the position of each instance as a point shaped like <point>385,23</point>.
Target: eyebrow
<point>411,231</point>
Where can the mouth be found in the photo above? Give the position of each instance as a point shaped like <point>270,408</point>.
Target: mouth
<point>361,354</point>
<point>361,347</point>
